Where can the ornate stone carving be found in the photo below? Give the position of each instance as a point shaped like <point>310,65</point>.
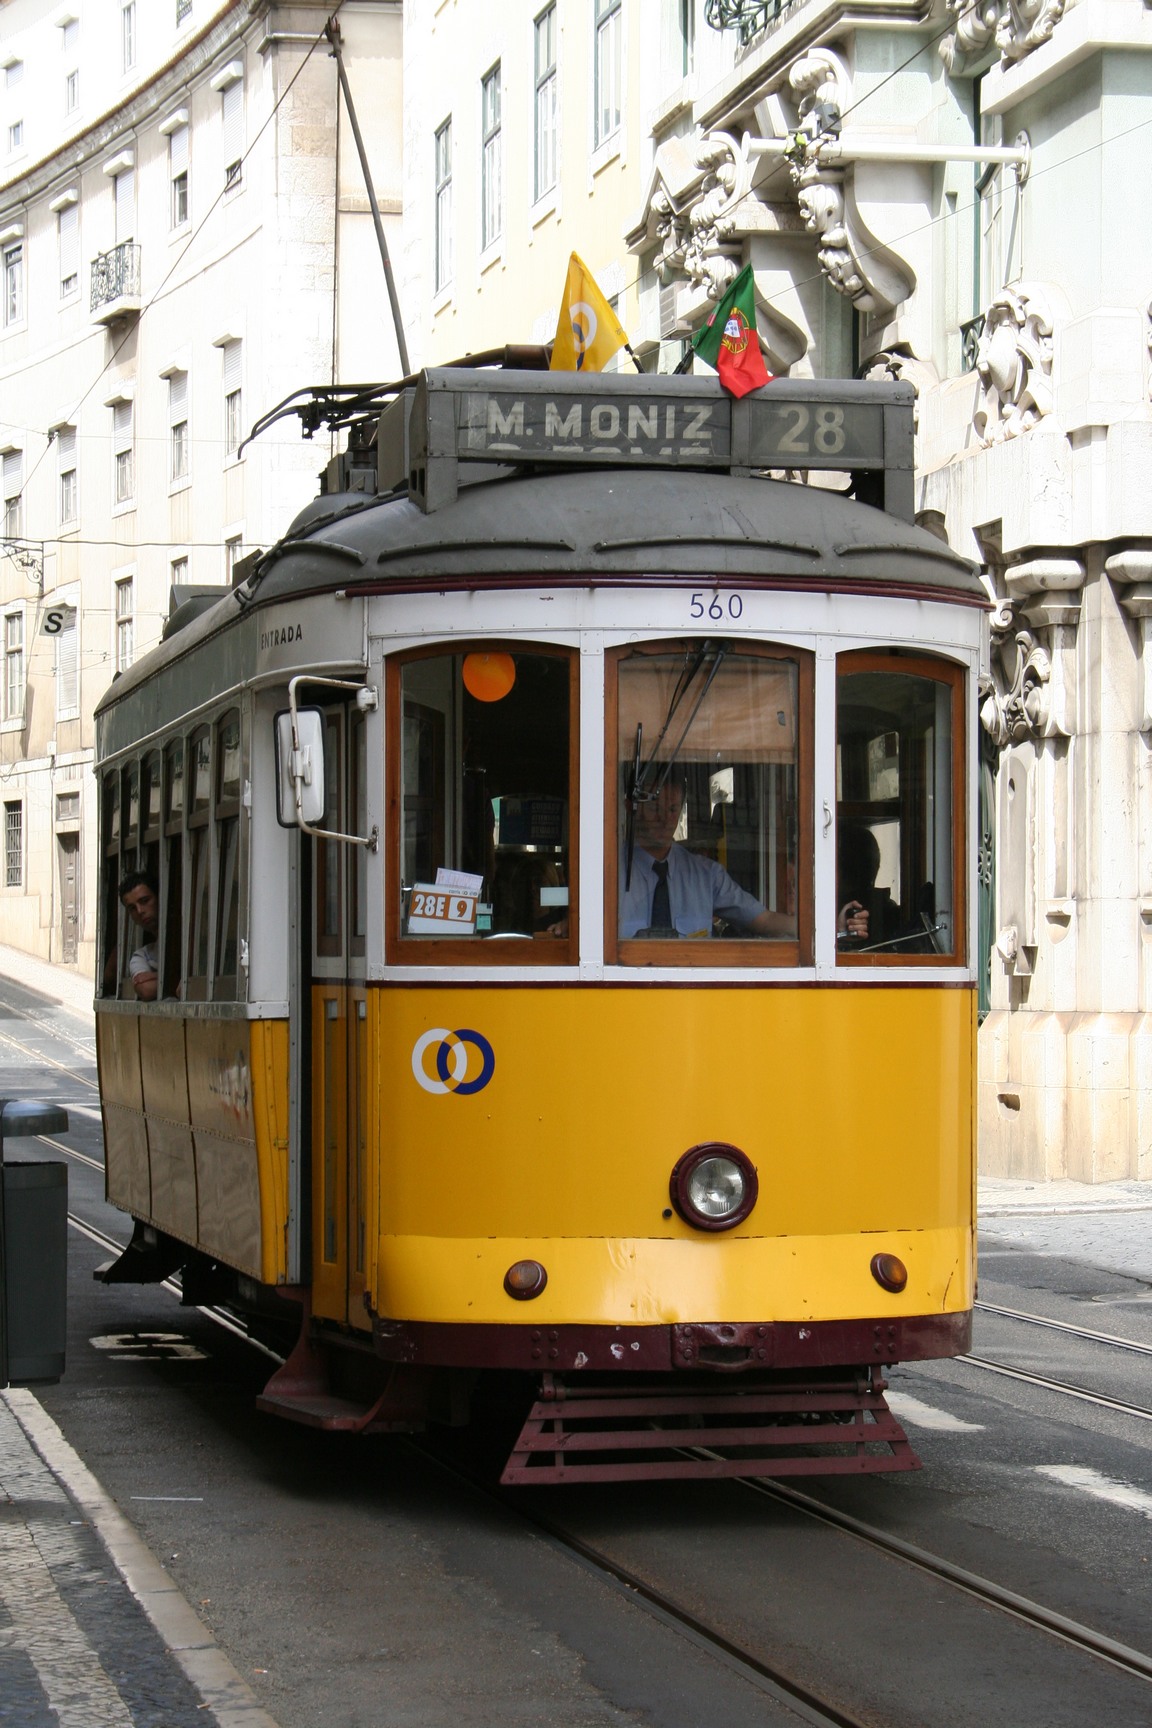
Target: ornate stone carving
<point>699,238</point>
<point>851,258</point>
<point>1014,363</point>
<point>1018,27</point>
<point>1017,705</point>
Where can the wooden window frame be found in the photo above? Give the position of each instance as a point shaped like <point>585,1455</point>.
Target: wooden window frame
<point>474,952</point>
<point>760,952</point>
<point>939,670</point>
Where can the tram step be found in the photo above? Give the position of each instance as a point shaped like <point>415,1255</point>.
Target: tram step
<point>324,1410</point>
<point>626,1433</point>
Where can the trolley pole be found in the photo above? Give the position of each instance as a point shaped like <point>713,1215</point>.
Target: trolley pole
<point>333,34</point>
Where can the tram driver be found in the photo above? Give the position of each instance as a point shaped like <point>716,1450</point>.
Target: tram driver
<point>676,893</point>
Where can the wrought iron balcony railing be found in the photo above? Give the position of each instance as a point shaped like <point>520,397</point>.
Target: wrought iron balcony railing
<point>747,16</point>
<point>115,276</point>
<point>970,335</point>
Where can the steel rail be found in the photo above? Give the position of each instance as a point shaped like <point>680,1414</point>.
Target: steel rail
<point>778,1685</point>
<point>984,1590</point>
<point>775,1682</point>
<point>1046,1385</point>
<point>1064,1326</point>
<point>39,1056</point>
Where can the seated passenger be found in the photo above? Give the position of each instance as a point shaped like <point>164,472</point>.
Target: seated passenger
<point>138,895</point>
<point>674,892</point>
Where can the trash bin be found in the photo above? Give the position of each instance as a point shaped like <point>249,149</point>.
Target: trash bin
<point>33,1253</point>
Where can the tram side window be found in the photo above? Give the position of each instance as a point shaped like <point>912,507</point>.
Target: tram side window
<point>173,817</point>
<point>898,730</point>
<point>485,780</point>
<point>172,883</point>
<point>226,975</point>
<point>199,821</point>
<point>707,802</point>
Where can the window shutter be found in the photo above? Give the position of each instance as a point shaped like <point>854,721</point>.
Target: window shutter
<point>178,150</point>
<point>125,205</point>
<point>68,663</point>
<point>122,425</point>
<point>177,398</point>
<point>66,447</point>
<point>232,107</point>
<point>13,472</point>
<point>231,367</point>
<point>69,241</point>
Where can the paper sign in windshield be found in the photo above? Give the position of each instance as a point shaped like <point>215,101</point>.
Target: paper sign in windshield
<point>438,911</point>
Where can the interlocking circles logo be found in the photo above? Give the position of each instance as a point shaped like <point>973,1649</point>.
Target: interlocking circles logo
<point>461,1061</point>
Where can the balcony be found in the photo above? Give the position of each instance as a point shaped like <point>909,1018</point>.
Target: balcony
<point>116,284</point>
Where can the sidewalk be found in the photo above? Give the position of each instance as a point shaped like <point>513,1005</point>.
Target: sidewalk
<point>93,1632</point>
<point>62,985</point>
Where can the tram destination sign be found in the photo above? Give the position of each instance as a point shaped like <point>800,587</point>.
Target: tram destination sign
<point>622,420</point>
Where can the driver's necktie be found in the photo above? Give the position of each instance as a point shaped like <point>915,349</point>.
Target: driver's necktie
<point>661,904</point>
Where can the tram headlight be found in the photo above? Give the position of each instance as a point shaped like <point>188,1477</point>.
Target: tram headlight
<point>714,1186</point>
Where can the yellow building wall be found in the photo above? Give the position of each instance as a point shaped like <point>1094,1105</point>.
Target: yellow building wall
<point>512,291</point>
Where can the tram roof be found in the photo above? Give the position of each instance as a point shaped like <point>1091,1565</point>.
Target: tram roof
<point>586,518</point>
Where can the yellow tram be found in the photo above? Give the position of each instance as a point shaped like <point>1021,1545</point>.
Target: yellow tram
<point>563,943</point>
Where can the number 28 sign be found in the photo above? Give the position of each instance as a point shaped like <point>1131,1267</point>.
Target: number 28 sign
<point>441,912</point>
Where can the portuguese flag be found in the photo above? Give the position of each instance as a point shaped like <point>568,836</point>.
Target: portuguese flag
<point>729,341</point>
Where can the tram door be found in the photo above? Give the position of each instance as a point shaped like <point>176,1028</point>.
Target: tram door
<point>339,1010</point>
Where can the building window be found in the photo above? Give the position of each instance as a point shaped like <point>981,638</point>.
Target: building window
<point>490,191</point>
<point>233,552</point>
<point>178,422</point>
<point>13,487</point>
<point>128,34</point>
<point>13,74</point>
<point>68,666</point>
<point>14,283</point>
<point>443,260</point>
<point>13,844</point>
<point>68,248</point>
<point>607,45</point>
<point>66,458</point>
<point>70,44</point>
<point>124,465</point>
<point>179,573</point>
<point>686,28</point>
<point>125,624</point>
<point>14,666</point>
<point>15,137</point>
<point>232,117</point>
<point>233,400</point>
<point>178,175</point>
<point>124,191</point>
<point>67,807</point>
<point>183,11</point>
<point>545,155</point>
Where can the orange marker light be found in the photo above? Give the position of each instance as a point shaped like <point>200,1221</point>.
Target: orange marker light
<point>489,677</point>
<point>889,1272</point>
<point>525,1279</point>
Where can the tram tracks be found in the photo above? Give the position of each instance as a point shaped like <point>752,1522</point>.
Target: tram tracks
<point>772,1678</point>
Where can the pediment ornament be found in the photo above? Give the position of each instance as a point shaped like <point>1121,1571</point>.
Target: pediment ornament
<point>1016,26</point>
<point>1014,363</point>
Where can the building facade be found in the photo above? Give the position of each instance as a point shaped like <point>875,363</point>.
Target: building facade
<point>946,193</point>
<point>186,239</point>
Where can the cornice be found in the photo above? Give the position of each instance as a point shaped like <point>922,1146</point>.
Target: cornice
<point>134,112</point>
<point>805,25</point>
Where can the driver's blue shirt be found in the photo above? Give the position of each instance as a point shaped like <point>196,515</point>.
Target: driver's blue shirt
<point>699,890</point>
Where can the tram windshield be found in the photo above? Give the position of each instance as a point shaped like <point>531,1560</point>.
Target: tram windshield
<point>484,796</point>
<point>707,824</point>
<point>896,823</point>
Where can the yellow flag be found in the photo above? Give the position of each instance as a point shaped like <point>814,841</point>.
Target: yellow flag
<point>588,332</point>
